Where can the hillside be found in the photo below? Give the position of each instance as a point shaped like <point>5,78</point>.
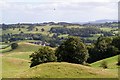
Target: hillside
<point>23,50</point>
<point>17,63</point>
<point>26,47</point>
<point>12,66</point>
<point>65,70</point>
<point>112,61</point>
<point>17,60</point>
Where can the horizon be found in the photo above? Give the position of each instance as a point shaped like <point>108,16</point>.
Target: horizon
<point>91,22</point>
<point>46,11</point>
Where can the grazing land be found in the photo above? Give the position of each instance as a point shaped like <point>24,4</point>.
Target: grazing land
<point>31,37</point>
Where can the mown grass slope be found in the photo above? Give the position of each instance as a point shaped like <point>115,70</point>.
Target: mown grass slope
<point>65,70</point>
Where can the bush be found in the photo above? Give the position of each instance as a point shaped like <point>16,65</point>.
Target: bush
<point>14,45</point>
<point>104,64</point>
<point>72,50</point>
<point>118,63</point>
<point>43,55</point>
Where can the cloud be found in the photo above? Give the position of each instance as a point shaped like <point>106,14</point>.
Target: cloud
<point>58,10</point>
<point>61,0</point>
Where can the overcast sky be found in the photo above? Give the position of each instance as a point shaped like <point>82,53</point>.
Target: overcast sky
<point>27,11</point>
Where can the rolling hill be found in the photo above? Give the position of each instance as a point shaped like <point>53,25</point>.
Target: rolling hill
<point>65,70</point>
<point>17,63</point>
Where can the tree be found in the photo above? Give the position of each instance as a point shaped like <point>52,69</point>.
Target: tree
<point>43,55</point>
<point>42,29</point>
<point>19,29</point>
<point>14,45</point>
<point>72,50</point>
<point>105,47</point>
<point>116,42</point>
<point>103,43</point>
<point>36,29</point>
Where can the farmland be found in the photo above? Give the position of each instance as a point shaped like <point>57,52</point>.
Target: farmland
<point>17,62</point>
<point>31,37</point>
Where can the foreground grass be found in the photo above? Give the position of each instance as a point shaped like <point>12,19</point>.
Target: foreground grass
<point>65,70</point>
<point>19,55</point>
<point>12,66</point>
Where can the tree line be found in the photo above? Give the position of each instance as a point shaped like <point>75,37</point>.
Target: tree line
<point>81,32</point>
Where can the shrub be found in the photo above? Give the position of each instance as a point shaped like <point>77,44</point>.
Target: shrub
<point>104,64</point>
<point>118,63</point>
<point>14,45</point>
<point>43,55</point>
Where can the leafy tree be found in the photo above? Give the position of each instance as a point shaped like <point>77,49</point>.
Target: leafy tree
<point>14,45</point>
<point>116,42</point>
<point>36,29</point>
<point>19,29</point>
<point>103,48</point>
<point>43,55</point>
<point>103,43</point>
<point>72,50</point>
<point>42,29</point>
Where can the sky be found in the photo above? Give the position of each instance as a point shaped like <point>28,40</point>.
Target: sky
<point>38,11</point>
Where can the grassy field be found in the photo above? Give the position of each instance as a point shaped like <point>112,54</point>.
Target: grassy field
<point>25,30</point>
<point>26,47</point>
<point>12,66</point>
<point>23,47</point>
<point>19,55</point>
<point>17,60</point>
<point>46,28</point>
<point>107,29</point>
<point>65,70</point>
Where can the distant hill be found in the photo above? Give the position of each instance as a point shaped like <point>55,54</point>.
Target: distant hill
<point>103,21</point>
<point>97,21</point>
